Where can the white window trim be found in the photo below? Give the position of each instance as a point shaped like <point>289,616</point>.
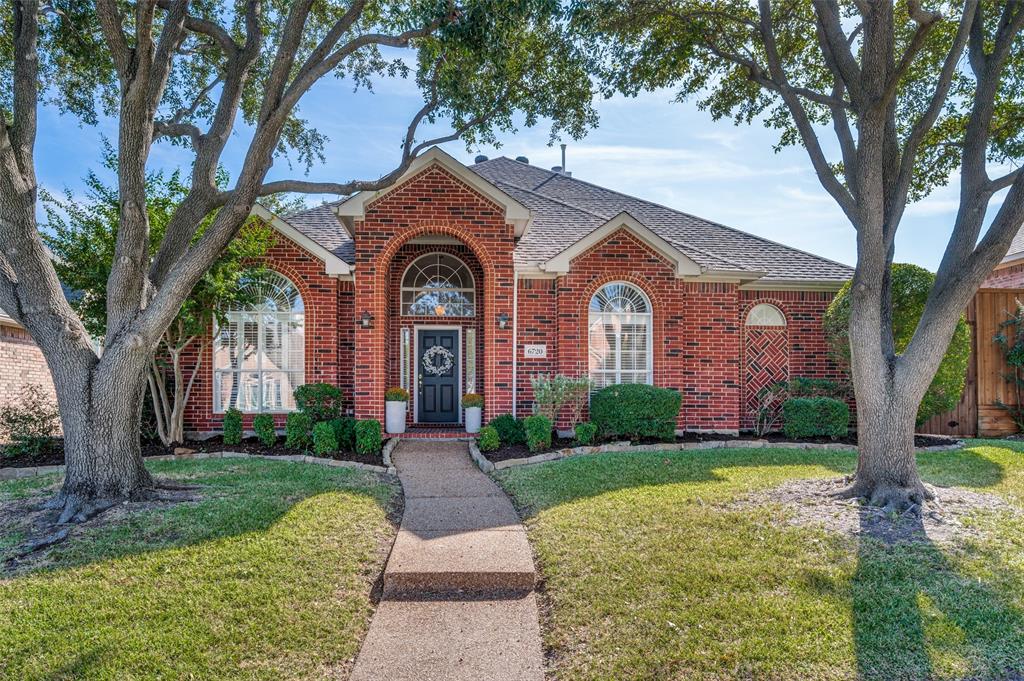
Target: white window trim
<point>218,408</point>
<point>403,288</point>
<point>782,316</point>
<point>649,344</point>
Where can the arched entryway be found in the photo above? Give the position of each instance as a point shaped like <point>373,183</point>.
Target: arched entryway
<point>435,312</point>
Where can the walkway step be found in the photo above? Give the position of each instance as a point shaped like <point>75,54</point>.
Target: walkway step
<point>458,561</point>
<point>492,640</point>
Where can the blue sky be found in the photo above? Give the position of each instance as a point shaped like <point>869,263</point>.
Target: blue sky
<point>650,146</point>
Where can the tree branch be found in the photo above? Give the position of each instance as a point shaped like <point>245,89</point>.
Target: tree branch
<point>830,22</point>
<point>925,21</point>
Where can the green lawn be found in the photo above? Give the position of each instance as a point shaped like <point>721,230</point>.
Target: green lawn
<point>267,576</point>
<point>649,574</point>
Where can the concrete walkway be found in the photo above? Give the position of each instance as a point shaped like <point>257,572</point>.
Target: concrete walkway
<point>458,597</point>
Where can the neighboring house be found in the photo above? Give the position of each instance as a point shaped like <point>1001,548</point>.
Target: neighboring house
<point>474,279</point>
<point>979,413</point>
<point>21,362</point>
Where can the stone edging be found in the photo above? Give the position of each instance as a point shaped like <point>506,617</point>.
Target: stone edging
<point>28,472</point>
<point>486,465</point>
<point>385,453</point>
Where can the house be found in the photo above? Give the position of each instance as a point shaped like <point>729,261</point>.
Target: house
<point>21,362</point>
<point>476,278</point>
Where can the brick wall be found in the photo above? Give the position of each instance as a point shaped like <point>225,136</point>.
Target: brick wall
<point>432,203</point>
<point>21,364</point>
<point>1006,277</point>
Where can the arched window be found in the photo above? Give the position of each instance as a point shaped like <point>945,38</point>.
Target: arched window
<point>620,336</point>
<point>765,315</point>
<point>438,285</point>
<point>259,350</point>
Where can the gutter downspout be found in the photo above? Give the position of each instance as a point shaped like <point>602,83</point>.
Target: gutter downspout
<point>515,342</point>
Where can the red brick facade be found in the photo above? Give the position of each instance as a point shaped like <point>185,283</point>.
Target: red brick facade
<point>1007,276</point>
<point>700,344</point>
<point>21,364</point>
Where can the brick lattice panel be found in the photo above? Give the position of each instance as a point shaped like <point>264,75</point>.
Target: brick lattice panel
<point>765,361</point>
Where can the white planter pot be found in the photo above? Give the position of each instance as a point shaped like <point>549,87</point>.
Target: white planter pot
<point>473,419</point>
<point>394,417</point>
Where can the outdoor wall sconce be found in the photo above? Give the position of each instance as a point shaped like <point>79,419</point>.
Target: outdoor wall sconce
<point>502,320</point>
<point>367,320</point>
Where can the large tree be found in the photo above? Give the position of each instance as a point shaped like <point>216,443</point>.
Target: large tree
<point>913,95</point>
<point>183,72</point>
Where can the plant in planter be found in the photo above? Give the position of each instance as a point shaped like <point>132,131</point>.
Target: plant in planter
<point>395,402</point>
<point>473,404</point>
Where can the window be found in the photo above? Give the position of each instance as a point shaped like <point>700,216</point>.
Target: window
<point>620,336</point>
<point>438,285</point>
<point>765,315</point>
<point>259,350</point>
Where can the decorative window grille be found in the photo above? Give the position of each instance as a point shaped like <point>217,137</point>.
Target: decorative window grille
<point>405,352</point>
<point>620,336</point>
<point>765,315</point>
<point>438,285</point>
<point>470,360</point>
<point>259,350</point>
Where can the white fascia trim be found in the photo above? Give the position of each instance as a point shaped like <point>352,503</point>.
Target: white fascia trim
<point>1010,259</point>
<point>684,266</point>
<point>516,214</point>
<point>795,285</point>
<point>534,272</point>
<point>333,265</point>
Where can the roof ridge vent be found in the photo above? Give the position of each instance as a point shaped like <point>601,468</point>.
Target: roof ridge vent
<point>480,158</point>
<point>523,159</point>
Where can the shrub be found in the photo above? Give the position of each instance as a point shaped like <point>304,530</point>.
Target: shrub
<point>345,432</point>
<point>263,424</point>
<point>232,427</point>
<point>585,433</point>
<point>538,432</point>
<point>636,411</point>
<point>470,400</point>
<point>325,442</point>
<point>551,393</point>
<point>488,439</point>
<point>800,386</point>
<point>368,437</point>
<point>911,286</point>
<point>29,423</point>
<point>396,395</point>
<point>319,401</point>
<point>296,430</point>
<point>510,429</point>
<point>815,417</point>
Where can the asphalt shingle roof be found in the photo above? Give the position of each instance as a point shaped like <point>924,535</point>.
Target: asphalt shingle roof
<point>566,209</point>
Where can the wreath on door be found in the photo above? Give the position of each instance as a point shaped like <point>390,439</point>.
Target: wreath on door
<point>438,368</point>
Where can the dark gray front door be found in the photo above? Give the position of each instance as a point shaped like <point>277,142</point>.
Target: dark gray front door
<point>437,369</point>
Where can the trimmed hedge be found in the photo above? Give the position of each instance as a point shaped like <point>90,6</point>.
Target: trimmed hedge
<point>345,432</point>
<point>324,440</point>
<point>368,437</point>
<point>815,417</point>
<point>232,427</point>
<point>263,424</point>
<point>585,433</point>
<point>320,401</point>
<point>488,439</point>
<point>511,430</point>
<point>636,411</point>
<point>538,432</point>
<point>296,430</point>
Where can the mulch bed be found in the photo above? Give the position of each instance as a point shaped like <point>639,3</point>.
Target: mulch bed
<point>54,456</point>
<point>506,452</point>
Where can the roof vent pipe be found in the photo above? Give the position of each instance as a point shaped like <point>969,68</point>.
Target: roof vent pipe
<point>522,159</point>
<point>563,155</point>
<point>480,159</point>
<point>556,169</point>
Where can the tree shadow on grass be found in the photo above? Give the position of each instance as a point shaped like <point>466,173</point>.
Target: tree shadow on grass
<point>232,497</point>
<point>917,614</point>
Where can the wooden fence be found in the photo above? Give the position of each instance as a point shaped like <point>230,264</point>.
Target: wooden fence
<point>978,414</point>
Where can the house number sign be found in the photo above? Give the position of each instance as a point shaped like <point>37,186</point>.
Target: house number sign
<point>535,351</point>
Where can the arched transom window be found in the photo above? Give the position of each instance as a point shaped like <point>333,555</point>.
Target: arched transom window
<point>765,315</point>
<point>438,285</point>
<point>620,336</point>
<point>259,351</point>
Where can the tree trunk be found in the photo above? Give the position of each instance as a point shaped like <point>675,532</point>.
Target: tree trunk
<point>102,454</point>
<point>886,466</point>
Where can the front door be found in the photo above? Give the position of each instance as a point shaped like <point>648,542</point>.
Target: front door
<point>437,370</point>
